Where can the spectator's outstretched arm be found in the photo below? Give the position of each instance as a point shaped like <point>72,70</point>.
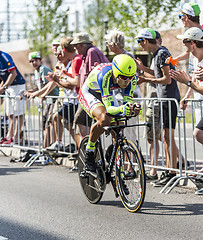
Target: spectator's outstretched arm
<point>182,77</point>
<point>166,79</point>
<point>182,56</point>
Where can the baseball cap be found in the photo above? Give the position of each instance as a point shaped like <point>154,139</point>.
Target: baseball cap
<point>56,41</point>
<point>147,33</point>
<point>33,55</point>
<point>192,33</point>
<point>81,37</point>
<point>191,9</point>
<point>158,35</point>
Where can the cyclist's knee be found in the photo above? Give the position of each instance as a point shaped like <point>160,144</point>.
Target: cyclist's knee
<point>104,120</point>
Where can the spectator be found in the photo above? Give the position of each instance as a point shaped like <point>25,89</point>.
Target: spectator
<point>69,82</point>
<point>193,41</point>
<point>152,93</point>
<point>153,113</point>
<point>13,84</point>
<point>55,44</point>
<point>166,88</point>
<point>43,88</point>
<point>115,41</point>
<point>91,56</point>
<point>190,16</point>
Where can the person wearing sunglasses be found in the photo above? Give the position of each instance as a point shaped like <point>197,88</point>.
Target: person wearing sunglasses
<point>97,99</point>
<point>166,88</point>
<point>193,40</point>
<point>190,17</point>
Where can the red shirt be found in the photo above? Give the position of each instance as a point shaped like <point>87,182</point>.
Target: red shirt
<point>75,66</point>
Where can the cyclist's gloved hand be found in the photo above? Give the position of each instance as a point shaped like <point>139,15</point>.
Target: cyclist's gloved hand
<point>127,109</point>
<point>137,109</point>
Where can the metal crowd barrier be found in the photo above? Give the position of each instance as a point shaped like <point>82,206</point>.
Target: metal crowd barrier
<point>32,135</point>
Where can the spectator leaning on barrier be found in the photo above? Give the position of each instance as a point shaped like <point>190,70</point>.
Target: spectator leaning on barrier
<point>166,88</point>
<point>193,39</point>
<point>44,88</point>
<point>91,55</point>
<point>190,16</point>
<point>69,80</point>
<point>13,84</point>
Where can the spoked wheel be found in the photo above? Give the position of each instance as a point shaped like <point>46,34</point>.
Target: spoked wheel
<point>93,184</point>
<point>130,176</point>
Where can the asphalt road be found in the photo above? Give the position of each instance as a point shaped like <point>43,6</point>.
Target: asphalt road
<point>46,202</point>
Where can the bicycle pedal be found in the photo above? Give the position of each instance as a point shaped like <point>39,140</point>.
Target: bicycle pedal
<point>83,174</point>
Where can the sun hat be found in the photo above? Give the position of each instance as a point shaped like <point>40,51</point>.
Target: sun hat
<point>192,33</point>
<point>147,33</point>
<point>191,9</point>
<point>81,37</point>
<point>33,55</point>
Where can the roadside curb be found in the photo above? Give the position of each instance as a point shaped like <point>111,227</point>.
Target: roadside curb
<point>14,152</point>
<point>69,162</point>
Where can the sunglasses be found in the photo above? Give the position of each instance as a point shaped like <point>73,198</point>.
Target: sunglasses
<point>186,41</point>
<point>125,78</point>
<point>140,40</point>
<point>181,15</point>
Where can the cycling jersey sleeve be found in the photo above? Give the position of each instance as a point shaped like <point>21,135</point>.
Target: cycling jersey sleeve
<point>128,95</point>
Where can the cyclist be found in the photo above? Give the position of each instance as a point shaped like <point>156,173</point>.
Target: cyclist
<point>97,98</point>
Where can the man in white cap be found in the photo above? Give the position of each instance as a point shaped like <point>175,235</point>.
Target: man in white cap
<point>193,41</point>
<point>190,16</point>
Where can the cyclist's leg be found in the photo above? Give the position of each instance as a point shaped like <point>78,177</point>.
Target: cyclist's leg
<point>102,120</point>
<point>95,109</point>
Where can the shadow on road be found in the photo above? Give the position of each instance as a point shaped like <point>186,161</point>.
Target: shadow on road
<point>111,203</point>
<point>13,171</point>
<point>155,208</point>
<point>16,231</point>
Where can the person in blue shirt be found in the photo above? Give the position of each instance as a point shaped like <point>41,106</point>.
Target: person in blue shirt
<point>13,84</point>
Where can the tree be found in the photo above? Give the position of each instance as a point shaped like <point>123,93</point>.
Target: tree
<point>49,22</point>
<point>130,15</point>
<point>94,16</point>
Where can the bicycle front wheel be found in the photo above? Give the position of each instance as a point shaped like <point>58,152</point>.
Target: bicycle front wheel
<point>130,176</point>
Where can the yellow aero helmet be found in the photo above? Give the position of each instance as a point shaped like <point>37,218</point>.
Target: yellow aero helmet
<point>124,65</point>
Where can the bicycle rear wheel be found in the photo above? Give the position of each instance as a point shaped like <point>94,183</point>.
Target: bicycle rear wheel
<point>89,183</point>
<point>130,176</point>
